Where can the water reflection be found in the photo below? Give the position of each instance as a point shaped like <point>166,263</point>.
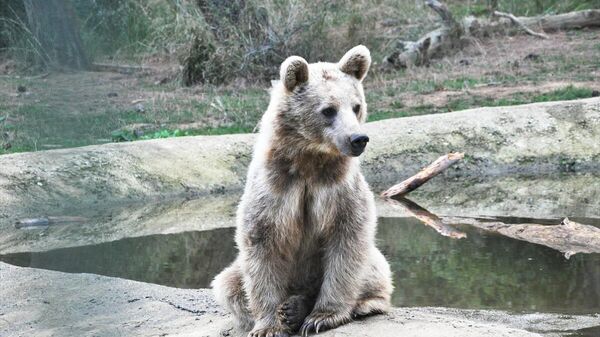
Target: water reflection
<point>481,271</point>
<point>183,260</point>
<point>486,271</point>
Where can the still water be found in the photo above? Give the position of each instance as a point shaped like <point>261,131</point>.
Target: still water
<point>480,271</point>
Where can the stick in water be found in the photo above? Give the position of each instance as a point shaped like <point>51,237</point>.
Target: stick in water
<point>424,175</point>
<point>427,218</point>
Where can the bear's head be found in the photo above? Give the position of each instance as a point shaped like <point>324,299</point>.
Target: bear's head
<point>321,106</point>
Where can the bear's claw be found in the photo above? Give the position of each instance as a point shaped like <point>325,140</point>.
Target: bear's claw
<point>320,321</point>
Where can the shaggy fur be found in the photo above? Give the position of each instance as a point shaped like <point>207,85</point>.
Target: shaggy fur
<point>306,222</point>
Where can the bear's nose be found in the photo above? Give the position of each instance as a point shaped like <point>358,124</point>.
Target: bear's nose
<point>358,142</point>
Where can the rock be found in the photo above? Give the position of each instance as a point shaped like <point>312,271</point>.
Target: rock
<point>139,107</point>
<point>85,304</point>
<point>532,57</point>
<point>125,180</point>
<point>161,81</point>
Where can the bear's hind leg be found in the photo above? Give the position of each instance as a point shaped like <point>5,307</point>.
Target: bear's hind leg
<point>376,289</point>
<point>229,291</point>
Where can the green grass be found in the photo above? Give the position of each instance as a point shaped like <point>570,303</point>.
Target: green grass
<point>74,110</point>
<point>460,83</point>
<point>41,128</point>
<point>127,136</point>
<point>563,94</point>
<point>474,101</point>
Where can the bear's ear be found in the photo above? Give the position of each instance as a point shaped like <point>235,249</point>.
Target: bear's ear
<point>356,62</point>
<point>294,71</point>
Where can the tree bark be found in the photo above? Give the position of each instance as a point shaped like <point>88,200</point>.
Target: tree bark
<point>54,25</point>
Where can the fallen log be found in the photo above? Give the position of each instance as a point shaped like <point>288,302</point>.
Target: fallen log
<point>481,27</point>
<point>520,24</point>
<point>433,44</point>
<point>423,176</point>
<point>427,218</point>
<point>569,237</point>
<point>453,34</point>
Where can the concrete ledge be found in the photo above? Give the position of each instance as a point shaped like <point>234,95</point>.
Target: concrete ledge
<point>141,188</point>
<point>535,138</point>
<point>545,197</point>
<point>47,303</point>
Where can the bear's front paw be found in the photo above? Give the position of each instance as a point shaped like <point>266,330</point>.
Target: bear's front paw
<point>320,320</point>
<point>268,332</point>
<point>293,311</point>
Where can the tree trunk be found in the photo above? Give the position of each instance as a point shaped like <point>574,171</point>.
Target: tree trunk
<point>481,27</point>
<point>569,237</point>
<point>447,39</point>
<point>54,25</point>
<point>434,44</point>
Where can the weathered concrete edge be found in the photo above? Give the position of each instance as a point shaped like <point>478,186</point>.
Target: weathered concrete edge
<point>42,303</point>
<point>533,138</point>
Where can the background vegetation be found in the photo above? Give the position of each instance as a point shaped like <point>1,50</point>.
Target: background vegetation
<point>203,66</point>
<point>249,38</point>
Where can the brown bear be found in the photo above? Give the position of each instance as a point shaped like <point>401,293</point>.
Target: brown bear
<point>306,222</point>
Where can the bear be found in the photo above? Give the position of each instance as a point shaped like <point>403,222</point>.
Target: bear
<point>306,222</point>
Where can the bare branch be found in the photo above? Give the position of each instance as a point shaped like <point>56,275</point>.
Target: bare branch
<point>520,24</point>
<point>427,218</point>
<point>443,11</point>
<point>424,175</point>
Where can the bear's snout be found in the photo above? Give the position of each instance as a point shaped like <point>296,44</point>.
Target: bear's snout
<point>358,142</point>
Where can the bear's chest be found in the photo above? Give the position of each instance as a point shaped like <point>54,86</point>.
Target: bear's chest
<point>314,208</point>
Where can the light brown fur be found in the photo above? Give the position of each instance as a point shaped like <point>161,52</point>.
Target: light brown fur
<point>306,222</point>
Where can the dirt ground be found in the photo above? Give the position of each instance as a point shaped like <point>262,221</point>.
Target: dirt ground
<point>59,110</point>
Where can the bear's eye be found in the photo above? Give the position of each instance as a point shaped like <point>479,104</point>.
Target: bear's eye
<point>356,109</point>
<point>329,112</point>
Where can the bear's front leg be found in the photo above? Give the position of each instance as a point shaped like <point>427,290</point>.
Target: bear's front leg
<point>265,281</point>
<point>343,261</point>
